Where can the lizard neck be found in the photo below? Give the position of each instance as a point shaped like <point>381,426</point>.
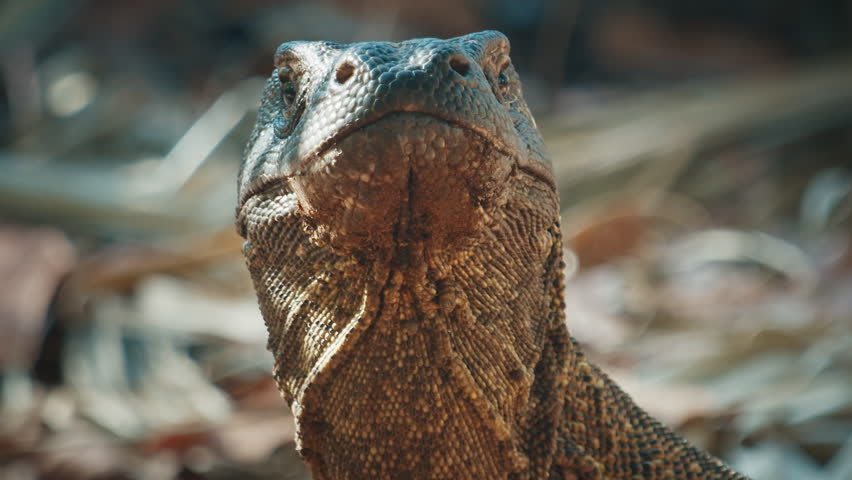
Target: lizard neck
<point>436,379</point>
<point>423,364</point>
<point>431,365</point>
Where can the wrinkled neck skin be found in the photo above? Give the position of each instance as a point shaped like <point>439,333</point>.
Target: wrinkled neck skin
<point>446,364</point>
<point>417,363</point>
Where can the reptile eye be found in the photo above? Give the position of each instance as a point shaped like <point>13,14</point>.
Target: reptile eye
<point>292,108</point>
<point>503,74</point>
<point>287,78</point>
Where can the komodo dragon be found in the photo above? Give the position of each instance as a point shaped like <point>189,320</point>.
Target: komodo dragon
<point>402,232</point>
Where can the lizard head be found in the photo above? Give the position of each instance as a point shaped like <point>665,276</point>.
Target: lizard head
<point>390,143</point>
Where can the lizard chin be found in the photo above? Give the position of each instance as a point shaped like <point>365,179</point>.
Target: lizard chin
<point>406,178</point>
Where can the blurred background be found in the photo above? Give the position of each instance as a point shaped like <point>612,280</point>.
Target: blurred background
<point>703,151</point>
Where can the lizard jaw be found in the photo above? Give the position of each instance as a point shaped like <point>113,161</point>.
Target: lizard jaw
<point>407,177</point>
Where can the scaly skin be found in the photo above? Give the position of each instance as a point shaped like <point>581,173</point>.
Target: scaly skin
<point>402,231</point>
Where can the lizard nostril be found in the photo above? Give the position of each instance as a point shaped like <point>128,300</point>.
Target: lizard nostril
<point>460,64</point>
<point>344,72</point>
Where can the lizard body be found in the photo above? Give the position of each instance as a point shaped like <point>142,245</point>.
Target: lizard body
<point>402,231</point>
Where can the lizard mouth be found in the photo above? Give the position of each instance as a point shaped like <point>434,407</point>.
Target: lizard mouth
<point>437,178</point>
<point>312,161</point>
<point>479,132</point>
<point>354,127</point>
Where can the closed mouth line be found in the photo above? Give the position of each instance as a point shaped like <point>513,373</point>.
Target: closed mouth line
<point>358,125</point>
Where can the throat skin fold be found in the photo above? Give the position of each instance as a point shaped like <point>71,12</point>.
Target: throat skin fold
<point>421,353</point>
<point>448,364</point>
